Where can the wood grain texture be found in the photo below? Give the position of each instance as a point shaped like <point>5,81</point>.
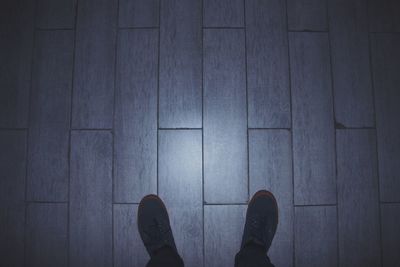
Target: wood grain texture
<point>352,79</point>
<point>135,144</point>
<point>386,65</point>
<point>128,247</point>
<point>390,217</point>
<point>12,197</point>
<point>271,169</point>
<point>50,116</point>
<point>358,201</point>
<point>223,226</point>
<point>16,30</point>
<point>139,13</point>
<point>55,14</point>
<point>90,205</point>
<point>316,236</point>
<point>307,15</point>
<point>384,15</point>
<point>225,120</point>
<point>313,133</point>
<point>267,64</point>
<point>47,234</point>
<point>180,64</point>
<point>94,64</point>
<point>223,13</point>
<point>180,187</point>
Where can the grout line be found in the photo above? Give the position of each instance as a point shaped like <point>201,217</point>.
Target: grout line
<point>138,28</point>
<point>70,136</point>
<point>92,129</point>
<point>383,32</point>
<point>125,203</point>
<point>178,129</point>
<point>54,29</point>
<point>315,205</point>
<point>225,204</point>
<point>389,202</point>
<point>335,139</point>
<point>224,28</point>
<point>202,131</point>
<point>291,135</point>
<point>247,102</point>
<point>355,128</point>
<point>308,31</point>
<point>267,129</point>
<point>158,98</point>
<point>14,129</point>
<point>45,202</point>
<point>32,63</point>
<point>113,134</point>
<point>376,137</point>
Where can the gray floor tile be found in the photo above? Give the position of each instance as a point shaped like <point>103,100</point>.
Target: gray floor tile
<point>135,144</point>
<point>94,68</point>
<point>50,116</point>
<point>267,64</point>
<point>180,64</point>
<point>313,126</point>
<point>90,206</point>
<point>225,122</point>
<point>180,187</point>
<point>47,234</point>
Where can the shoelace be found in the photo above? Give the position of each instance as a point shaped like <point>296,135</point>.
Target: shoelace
<point>158,231</point>
<point>256,225</point>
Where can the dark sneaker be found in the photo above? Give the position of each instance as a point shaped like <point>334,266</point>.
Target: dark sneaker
<point>153,224</point>
<point>261,220</point>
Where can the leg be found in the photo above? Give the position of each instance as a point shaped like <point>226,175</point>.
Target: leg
<point>156,233</point>
<point>166,256</point>
<point>259,231</point>
<point>252,255</point>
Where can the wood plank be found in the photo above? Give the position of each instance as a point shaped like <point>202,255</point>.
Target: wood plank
<point>386,65</point>
<point>222,240</point>
<point>271,169</point>
<point>59,14</point>
<point>384,15</point>
<point>358,201</point>
<point>47,234</point>
<point>180,187</point>
<point>16,30</point>
<point>352,79</point>
<point>313,133</point>
<point>316,236</point>
<point>225,117</point>
<point>128,246</point>
<point>390,234</point>
<point>12,197</point>
<point>50,116</point>
<point>307,15</point>
<point>139,13</point>
<point>180,64</point>
<point>94,64</point>
<point>267,64</point>
<point>91,199</point>
<point>223,13</point>
<point>135,141</point>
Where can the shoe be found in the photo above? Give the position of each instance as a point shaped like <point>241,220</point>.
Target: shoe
<point>153,224</point>
<point>261,220</point>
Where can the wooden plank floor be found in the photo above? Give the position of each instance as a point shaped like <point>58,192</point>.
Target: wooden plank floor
<point>202,102</point>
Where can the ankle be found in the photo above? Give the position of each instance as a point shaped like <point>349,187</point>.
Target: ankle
<point>255,246</point>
